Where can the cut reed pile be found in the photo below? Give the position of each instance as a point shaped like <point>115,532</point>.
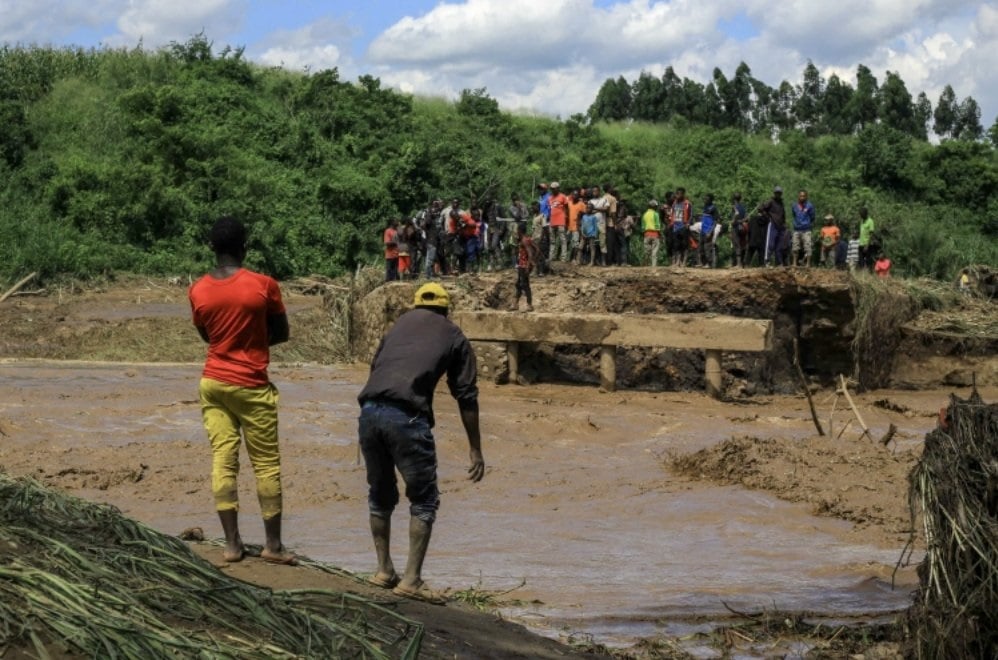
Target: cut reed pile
<point>80,578</point>
<point>882,307</point>
<point>954,490</point>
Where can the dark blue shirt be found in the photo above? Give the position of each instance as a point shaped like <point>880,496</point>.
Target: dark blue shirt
<point>420,348</point>
<point>803,216</point>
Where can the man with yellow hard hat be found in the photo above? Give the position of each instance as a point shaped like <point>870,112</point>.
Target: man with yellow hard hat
<point>396,422</point>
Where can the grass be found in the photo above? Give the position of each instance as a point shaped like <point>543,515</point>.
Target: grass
<point>486,600</point>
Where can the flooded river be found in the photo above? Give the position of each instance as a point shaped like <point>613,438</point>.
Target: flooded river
<point>577,504</point>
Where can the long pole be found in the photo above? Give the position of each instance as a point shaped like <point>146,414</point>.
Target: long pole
<point>807,390</point>
<point>12,290</point>
<point>859,418</point>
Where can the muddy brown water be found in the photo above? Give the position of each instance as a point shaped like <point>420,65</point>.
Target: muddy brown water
<point>576,503</point>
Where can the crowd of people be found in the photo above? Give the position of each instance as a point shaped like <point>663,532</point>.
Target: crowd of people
<point>592,225</point>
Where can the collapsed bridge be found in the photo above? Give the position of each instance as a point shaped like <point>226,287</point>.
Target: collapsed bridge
<point>712,333</point>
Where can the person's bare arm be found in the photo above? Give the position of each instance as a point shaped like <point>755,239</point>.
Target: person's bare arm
<point>469,418</point>
<point>278,330</point>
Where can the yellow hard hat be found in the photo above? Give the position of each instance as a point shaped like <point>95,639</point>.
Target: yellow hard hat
<point>432,295</point>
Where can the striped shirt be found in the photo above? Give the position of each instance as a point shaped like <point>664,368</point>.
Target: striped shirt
<point>852,255</point>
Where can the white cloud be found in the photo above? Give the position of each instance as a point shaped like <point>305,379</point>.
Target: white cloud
<point>158,22</point>
<point>313,58</point>
<point>553,55</point>
<point>316,46</point>
<point>45,20</point>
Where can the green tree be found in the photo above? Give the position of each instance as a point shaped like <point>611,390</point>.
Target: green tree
<point>836,107</point>
<point>15,135</point>
<point>808,104</point>
<point>923,115</point>
<point>763,120</point>
<point>781,107</point>
<point>896,107</point>
<point>674,95</point>
<point>613,101</point>
<point>738,98</point>
<point>968,121</point>
<point>967,175</point>
<point>694,108</point>
<point>946,113</point>
<point>993,133</point>
<point>882,154</point>
<point>478,104</point>
<point>647,98</point>
<point>863,106</point>
<point>713,107</point>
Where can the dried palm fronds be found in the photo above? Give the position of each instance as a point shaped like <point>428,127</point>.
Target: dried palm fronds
<point>954,488</point>
<point>83,578</point>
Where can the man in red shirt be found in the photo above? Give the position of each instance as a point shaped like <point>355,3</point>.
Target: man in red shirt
<point>240,314</point>
<point>391,241</point>
<point>576,207</point>
<point>526,259</point>
<point>559,221</point>
<point>679,227</point>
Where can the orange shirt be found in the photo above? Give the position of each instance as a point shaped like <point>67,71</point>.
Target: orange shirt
<point>559,210</point>
<point>575,211</point>
<point>391,240</point>
<point>470,228</point>
<point>234,313</point>
<point>829,236</point>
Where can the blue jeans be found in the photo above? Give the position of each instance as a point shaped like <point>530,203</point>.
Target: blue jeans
<point>392,438</point>
<point>777,246</point>
<point>431,258</point>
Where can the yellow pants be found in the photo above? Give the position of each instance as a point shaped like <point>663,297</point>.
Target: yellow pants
<point>232,413</point>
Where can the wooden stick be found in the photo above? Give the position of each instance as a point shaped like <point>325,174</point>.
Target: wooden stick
<point>844,428</point>
<point>859,418</point>
<point>807,391</point>
<point>17,286</point>
<point>891,430</point>
<point>831,415</point>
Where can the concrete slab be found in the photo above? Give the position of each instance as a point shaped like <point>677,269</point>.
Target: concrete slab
<point>691,331</point>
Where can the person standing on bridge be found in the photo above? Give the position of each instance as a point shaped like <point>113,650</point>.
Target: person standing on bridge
<point>395,430</point>
<point>776,214</point>
<point>526,259</point>
<point>651,226</point>
<point>240,315</point>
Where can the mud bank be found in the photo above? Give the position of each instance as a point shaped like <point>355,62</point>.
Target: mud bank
<point>820,309</point>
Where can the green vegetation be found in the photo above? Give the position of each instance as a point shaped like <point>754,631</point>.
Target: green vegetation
<point>120,160</point>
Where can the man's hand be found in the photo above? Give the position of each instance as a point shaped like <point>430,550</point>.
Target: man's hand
<point>477,469</point>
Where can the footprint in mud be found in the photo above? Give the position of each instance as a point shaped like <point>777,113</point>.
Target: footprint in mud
<point>77,478</point>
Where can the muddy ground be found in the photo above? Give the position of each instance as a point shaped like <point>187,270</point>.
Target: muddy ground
<point>625,516</point>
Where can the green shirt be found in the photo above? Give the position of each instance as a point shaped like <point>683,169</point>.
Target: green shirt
<point>866,231</point>
<point>650,221</point>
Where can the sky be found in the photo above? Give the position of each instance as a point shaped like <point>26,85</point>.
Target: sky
<point>552,56</point>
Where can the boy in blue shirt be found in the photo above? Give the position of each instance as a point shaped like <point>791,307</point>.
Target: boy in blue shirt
<point>708,224</point>
<point>590,234</point>
<point>803,222</point>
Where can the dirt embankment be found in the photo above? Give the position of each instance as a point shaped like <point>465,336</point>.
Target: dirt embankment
<point>842,327</point>
<point>899,343</point>
<point>822,471</point>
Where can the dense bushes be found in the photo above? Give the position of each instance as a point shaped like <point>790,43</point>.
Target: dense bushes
<point>121,159</point>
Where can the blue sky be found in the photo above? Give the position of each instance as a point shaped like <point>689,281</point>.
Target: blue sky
<point>551,56</point>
